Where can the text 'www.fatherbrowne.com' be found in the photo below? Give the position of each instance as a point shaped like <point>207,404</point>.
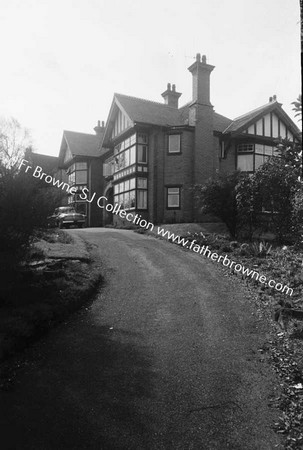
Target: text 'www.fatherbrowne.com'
<point>237,267</point>
<point>136,219</point>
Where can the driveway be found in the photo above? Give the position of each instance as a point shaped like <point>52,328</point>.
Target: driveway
<point>167,357</point>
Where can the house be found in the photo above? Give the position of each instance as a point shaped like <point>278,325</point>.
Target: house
<point>48,162</point>
<point>155,152</point>
<point>79,158</point>
<point>150,154</point>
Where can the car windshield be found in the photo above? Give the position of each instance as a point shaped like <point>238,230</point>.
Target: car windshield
<point>65,210</point>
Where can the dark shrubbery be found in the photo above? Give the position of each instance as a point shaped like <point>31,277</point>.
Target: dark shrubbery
<point>218,197</point>
<point>25,204</point>
<point>269,200</point>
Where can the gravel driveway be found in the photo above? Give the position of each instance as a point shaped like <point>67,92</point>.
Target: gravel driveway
<point>167,357</point>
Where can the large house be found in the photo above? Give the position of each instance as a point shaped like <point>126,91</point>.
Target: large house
<point>80,158</point>
<point>149,154</point>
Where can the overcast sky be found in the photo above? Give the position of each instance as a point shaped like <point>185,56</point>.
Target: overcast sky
<point>62,60</point>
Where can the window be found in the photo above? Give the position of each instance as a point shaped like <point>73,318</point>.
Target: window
<point>142,153</point>
<point>245,148</point>
<point>174,143</point>
<point>125,151</point>
<point>142,183</point>
<point>81,177</point>
<point>251,156</point>
<point>126,194</point>
<point>78,173</point>
<point>142,199</point>
<point>173,197</point>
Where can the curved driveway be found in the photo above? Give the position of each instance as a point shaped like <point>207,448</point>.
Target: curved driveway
<point>165,358</point>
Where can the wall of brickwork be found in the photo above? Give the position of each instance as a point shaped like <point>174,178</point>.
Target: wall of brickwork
<point>170,170</point>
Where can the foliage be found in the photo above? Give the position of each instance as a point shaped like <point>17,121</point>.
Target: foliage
<point>14,139</point>
<point>260,249</point>
<point>266,200</point>
<point>218,197</point>
<point>298,107</point>
<point>24,205</point>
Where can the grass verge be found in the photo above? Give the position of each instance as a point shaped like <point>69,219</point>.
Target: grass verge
<point>37,296</point>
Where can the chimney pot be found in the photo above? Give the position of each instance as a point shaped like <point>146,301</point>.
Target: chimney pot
<point>98,123</point>
<point>201,80</point>
<point>270,99</point>
<point>171,97</point>
<point>274,97</point>
<point>102,123</point>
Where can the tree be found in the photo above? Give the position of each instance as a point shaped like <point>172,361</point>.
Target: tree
<point>298,107</point>
<point>273,193</point>
<point>14,139</point>
<point>25,202</point>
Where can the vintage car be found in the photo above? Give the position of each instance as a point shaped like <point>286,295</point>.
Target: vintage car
<point>65,216</point>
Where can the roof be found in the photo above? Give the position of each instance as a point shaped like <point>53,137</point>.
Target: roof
<point>246,118</point>
<point>154,113</point>
<point>221,122</point>
<point>242,122</point>
<point>47,162</point>
<point>147,111</point>
<point>83,144</point>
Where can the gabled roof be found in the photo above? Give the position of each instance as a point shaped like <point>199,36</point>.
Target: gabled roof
<point>47,162</point>
<point>154,113</point>
<point>242,122</point>
<point>147,111</point>
<point>82,144</point>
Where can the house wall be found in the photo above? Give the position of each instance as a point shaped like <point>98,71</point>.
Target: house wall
<point>167,170</point>
<point>96,185</point>
<point>228,164</point>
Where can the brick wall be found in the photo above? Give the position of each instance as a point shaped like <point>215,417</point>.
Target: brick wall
<point>170,170</point>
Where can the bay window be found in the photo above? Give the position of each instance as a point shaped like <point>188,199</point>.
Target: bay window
<point>131,193</point>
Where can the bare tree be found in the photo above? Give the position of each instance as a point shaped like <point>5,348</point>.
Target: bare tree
<point>14,139</point>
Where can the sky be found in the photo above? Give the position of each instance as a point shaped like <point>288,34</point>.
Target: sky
<point>63,60</point>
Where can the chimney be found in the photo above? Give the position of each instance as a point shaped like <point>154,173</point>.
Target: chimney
<point>171,97</point>
<point>201,80</point>
<point>99,129</point>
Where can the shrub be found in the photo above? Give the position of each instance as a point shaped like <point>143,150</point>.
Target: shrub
<point>218,197</point>
<point>25,204</point>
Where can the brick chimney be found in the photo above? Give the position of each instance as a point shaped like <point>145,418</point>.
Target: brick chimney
<point>201,80</point>
<point>205,160</point>
<point>99,129</point>
<point>171,97</point>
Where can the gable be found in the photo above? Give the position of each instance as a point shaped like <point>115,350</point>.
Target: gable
<point>67,155</point>
<point>121,123</point>
<point>270,125</point>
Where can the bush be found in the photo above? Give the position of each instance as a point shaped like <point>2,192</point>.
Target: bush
<point>25,204</point>
<point>218,197</point>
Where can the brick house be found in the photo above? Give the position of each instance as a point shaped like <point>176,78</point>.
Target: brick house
<point>154,152</point>
<point>79,159</point>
